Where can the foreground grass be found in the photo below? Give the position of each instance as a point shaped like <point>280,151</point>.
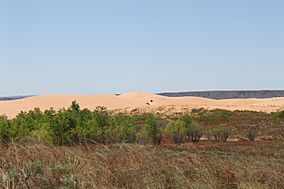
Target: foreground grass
<point>204,165</point>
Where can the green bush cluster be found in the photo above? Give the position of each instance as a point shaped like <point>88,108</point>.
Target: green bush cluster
<point>211,115</point>
<point>219,133</point>
<point>279,114</point>
<point>183,129</point>
<point>73,126</point>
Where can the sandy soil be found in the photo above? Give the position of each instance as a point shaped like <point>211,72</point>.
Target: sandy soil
<point>138,101</point>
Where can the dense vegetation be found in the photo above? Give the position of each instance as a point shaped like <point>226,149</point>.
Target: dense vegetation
<point>75,126</point>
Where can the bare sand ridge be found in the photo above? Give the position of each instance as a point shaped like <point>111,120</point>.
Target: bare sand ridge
<point>139,101</point>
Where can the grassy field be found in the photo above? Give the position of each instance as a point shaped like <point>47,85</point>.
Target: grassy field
<point>265,125</point>
<point>229,165</point>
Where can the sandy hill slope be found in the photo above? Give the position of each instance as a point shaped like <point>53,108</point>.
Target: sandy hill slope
<point>138,101</point>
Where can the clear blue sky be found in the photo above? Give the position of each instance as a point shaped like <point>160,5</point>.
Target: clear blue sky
<point>88,46</point>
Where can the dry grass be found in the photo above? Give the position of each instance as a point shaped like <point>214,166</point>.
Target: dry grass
<point>205,165</point>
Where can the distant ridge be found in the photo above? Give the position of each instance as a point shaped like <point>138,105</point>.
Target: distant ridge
<point>13,98</point>
<point>228,94</point>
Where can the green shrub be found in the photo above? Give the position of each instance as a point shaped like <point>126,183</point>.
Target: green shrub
<point>63,127</point>
<point>211,115</point>
<point>142,136</point>
<point>20,127</point>
<point>68,182</point>
<point>29,124</point>
<point>35,168</point>
<point>195,132</point>
<point>177,131</point>
<point>221,133</point>
<point>149,133</point>
<point>74,125</point>
<point>187,119</point>
<point>90,131</point>
<point>5,129</point>
<point>102,116</point>
<point>279,114</point>
<point>43,132</point>
<point>120,130</point>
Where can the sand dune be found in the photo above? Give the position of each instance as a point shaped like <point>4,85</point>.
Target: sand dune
<point>138,101</point>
